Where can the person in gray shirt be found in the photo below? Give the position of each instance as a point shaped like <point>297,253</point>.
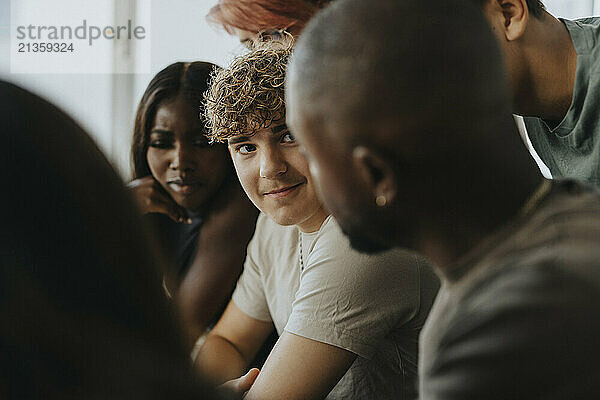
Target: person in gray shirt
<point>554,66</point>
<point>415,146</point>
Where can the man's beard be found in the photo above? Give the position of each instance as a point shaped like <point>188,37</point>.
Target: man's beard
<point>362,242</point>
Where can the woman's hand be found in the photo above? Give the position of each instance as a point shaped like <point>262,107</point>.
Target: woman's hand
<point>152,198</point>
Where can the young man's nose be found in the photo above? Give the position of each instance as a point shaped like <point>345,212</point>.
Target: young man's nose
<point>272,164</point>
<point>182,158</point>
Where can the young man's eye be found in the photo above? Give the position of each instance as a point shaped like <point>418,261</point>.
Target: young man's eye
<point>288,138</point>
<point>245,149</point>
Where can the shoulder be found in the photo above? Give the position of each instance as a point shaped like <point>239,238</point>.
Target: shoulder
<point>354,300</point>
<point>554,255</point>
<point>271,241</point>
<point>517,318</point>
<point>398,276</point>
<point>521,295</point>
<point>586,33</point>
<point>588,21</point>
<point>332,244</point>
<point>269,232</point>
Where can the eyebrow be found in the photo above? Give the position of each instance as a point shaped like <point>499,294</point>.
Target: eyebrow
<point>238,139</point>
<point>245,138</point>
<point>161,131</point>
<point>279,128</point>
<point>198,132</point>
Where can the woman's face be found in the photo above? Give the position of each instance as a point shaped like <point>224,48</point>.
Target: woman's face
<point>181,159</point>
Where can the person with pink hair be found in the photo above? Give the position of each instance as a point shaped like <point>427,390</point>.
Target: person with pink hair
<point>250,20</point>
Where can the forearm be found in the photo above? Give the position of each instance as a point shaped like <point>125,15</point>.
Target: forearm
<point>218,360</point>
<point>206,290</point>
<point>300,368</point>
<point>198,310</point>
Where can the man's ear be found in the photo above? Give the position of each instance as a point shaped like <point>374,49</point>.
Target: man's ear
<point>376,173</point>
<point>515,16</point>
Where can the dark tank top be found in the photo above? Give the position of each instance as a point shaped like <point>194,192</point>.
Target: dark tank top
<point>178,241</point>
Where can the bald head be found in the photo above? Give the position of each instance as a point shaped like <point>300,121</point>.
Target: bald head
<point>391,61</point>
<point>409,100</point>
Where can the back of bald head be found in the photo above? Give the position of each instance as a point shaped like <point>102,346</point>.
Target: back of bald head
<point>421,86</point>
<point>399,66</point>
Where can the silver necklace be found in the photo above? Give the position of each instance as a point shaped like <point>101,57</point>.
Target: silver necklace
<point>300,241</point>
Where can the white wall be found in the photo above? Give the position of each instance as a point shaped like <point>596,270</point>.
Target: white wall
<point>570,8</point>
<point>104,104</point>
<point>181,33</point>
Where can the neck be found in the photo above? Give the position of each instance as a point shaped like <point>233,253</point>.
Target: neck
<point>446,243</point>
<point>548,73</point>
<point>314,222</point>
<point>481,195</point>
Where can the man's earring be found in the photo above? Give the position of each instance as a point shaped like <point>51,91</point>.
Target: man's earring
<point>381,200</point>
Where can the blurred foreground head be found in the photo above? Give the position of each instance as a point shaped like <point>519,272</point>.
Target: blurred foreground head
<point>407,126</point>
<point>82,312</point>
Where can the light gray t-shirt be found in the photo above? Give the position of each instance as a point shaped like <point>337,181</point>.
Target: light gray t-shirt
<point>571,148</point>
<point>521,318</point>
<point>371,305</point>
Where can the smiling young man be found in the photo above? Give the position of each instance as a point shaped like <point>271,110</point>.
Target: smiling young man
<point>554,70</point>
<point>348,322</point>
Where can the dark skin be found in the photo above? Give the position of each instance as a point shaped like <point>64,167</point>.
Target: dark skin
<point>539,55</point>
<point>414,171</point>
<point>207,287</point>
<point>190,174</point>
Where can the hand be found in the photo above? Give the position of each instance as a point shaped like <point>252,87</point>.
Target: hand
<point>237,388</point>
<point>152,198</point>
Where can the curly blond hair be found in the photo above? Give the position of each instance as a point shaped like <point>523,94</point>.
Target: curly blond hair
<point>249,95</point>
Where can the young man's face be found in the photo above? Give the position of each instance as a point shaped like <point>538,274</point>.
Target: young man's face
<point>276,178</point>
<point>341,187</point>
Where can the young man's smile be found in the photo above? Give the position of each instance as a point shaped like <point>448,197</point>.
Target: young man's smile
<point>283,192</point>
<point>276,177</point>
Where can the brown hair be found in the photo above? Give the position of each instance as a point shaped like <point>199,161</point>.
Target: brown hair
<point>260,15</point>
<point>250,94</point>
<point>188,79</point>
